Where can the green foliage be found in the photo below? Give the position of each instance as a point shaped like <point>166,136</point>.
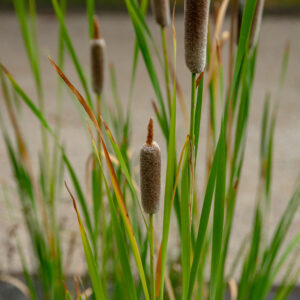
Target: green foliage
<point>114,231</point>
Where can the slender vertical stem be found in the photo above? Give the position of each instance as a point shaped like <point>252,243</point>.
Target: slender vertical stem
<point>187,189</point>
<point>192,138</point>
<point>192,116</point>
<point>99,210</point>
<point>230,75</point>
<point>98,107</point>
<point>166,66</point>
<point>151,243</point>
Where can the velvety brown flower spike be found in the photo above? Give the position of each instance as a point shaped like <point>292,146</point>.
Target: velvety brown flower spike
<point>97,48</point>
<point>150,172</point>
<point>161,9</point>
<point>196,14</point>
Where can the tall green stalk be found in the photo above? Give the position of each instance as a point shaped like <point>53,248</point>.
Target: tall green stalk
<point>151,244</point>
<point>166,66</point>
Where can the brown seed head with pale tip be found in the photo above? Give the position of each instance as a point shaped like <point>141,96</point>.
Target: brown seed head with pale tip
<point>97,46</point>
<point>150,173</point>
<point>161,9</point>
<point>196,14</point>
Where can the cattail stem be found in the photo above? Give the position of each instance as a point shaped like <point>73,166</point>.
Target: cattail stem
<point>151,244</point>
<point>192,124</point>
<point>166,66</point>
<point>188,187</point>
<point>192,142</point>
<point>193,275</point>
<point>193,100</point>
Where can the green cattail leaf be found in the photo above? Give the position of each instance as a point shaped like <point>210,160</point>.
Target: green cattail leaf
<point>90,13</point>
<point>169,186</point>
<point>43,121</point>
<point>205,213</point>
<point>143,44</point>
<point>120,237</point>
<point>123,167</point>
<point>92,264</point>
<point>248,14</point>
<point>68,42</point>
<point>124,214</point>
<point>218,219</point>
<point>143,9</point>
<point>29,39</point>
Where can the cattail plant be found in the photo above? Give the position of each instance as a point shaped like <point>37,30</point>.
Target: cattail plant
<point>97,48</point>
<point>161,9</point>
<point>150,169</point>
<point>196,14</point>
<point>195,34</point>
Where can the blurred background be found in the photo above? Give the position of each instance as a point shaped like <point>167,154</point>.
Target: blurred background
<point>281,25</point>
<point>278,6</point>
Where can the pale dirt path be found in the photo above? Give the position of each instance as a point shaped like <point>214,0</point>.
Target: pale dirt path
<point>119,37</point>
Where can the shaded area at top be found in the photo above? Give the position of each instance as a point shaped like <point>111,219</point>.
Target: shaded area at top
<point>272,6</point>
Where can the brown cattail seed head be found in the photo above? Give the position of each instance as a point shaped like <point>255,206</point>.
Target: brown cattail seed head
<point>150,170</point>
<point>97,48</point>
<point>161,9</point>
<point>195,34</point>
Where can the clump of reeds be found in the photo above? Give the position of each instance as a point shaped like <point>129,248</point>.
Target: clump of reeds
<point>195,34</point>
<point>161,9</point>
<point>150,172</point>
<point>97,48</point>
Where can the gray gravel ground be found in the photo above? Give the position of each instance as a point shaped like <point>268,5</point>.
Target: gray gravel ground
<point>119,37</point>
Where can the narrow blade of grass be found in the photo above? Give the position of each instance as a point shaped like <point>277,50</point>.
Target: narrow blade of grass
<point>90,12</point>
<point>68,42</point>
<point>171,161</point>
<point>92,265</point>
<point>143,44</point>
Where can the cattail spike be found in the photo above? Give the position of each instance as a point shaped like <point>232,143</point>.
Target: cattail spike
<point>150,172</point>
<point>150,133</point>
<point>161,9</point>
<point>195,34</point>
<point>97,46</point>
<point>97,34</point>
